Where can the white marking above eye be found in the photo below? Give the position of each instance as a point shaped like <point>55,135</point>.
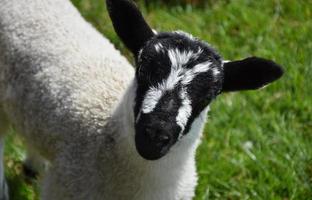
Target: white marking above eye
<point>197,69</point>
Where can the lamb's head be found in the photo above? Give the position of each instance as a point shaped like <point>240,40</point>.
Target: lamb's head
<point>177,76</point>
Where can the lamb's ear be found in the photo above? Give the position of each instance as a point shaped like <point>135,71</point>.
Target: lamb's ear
<point>129,24</point>
<point>249,74</point>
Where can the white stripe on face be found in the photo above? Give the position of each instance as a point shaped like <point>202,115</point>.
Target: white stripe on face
<point>192,73</point>
<point>177,74</point>
<point>151,98</point>
<point>178,58</point>
<point>185,110</point>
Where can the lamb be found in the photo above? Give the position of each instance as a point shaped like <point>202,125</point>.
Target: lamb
<point>109,131</point>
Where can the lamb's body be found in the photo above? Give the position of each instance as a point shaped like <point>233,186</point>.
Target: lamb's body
<point>60,82</point>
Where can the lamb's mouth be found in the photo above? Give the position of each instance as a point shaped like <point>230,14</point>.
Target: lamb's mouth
<point>155,145</point>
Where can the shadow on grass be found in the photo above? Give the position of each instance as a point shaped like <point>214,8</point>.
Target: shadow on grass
<point>20,188</point>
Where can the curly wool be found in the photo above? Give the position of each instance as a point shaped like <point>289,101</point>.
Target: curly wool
<point>58,74</point>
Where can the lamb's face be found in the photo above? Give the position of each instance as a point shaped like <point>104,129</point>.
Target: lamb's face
<point>177,77</point>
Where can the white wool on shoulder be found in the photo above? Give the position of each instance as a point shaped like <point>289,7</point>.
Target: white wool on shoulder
<point>55,70</point>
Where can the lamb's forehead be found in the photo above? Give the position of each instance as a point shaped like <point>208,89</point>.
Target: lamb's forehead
<point>170,55</point>
<point>176,57</point>
<point>178,45</point>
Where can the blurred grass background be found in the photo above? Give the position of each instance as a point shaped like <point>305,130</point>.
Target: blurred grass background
<point>257,144</point>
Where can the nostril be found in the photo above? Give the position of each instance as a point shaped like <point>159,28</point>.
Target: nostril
<point>163,140</point>
<point>157,137</point>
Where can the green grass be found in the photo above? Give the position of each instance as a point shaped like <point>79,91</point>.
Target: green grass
<point>258,144</point>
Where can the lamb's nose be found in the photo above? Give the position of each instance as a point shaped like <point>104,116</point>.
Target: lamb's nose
<point>154,138</point>
<point>158,137</point>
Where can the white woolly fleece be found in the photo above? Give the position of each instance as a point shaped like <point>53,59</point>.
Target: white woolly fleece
<point>60,84</point>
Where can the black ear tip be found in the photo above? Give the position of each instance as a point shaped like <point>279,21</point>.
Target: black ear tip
<point>109,4</point>
<point>273,70</point>
<point>278,71</point>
